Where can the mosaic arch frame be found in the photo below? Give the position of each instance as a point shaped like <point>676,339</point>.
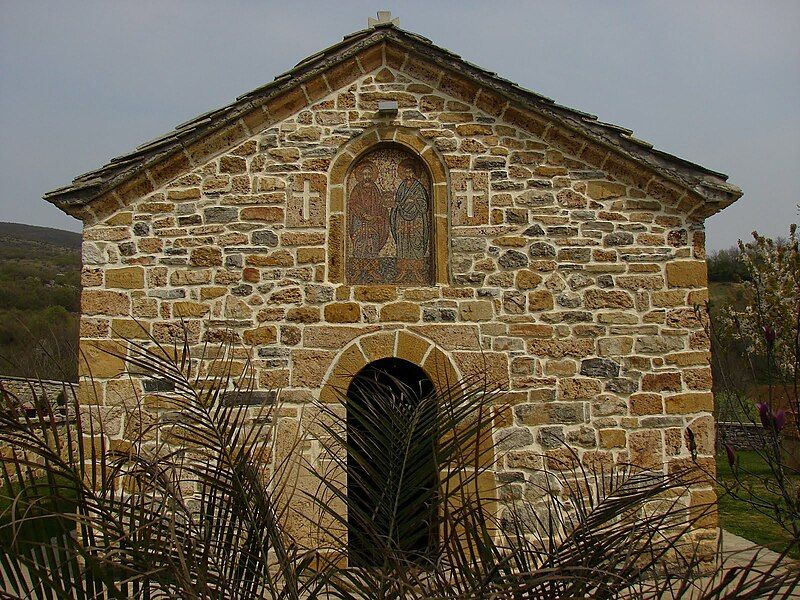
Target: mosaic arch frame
<point>348,157</point>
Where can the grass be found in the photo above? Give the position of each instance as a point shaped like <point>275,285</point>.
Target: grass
<point>40,512</point>
<point>740,517</point>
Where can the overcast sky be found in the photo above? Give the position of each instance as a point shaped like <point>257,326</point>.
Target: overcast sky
<point>717,83</point>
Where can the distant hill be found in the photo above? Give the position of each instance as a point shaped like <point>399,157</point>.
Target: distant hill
<point>46,235</point>
<point>40,289</point>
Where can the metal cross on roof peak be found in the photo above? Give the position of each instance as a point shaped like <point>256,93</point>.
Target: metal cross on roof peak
<point>384,18</point>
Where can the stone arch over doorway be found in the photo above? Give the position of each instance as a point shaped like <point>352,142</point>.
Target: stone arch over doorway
<point>383,504</point>
<point>436,364</point>
<point>388,344</point>
<point>349,155</point>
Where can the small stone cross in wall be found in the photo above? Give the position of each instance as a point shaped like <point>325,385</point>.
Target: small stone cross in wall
<point>307,196</point>
<point>471,196</point>
<point>384,18</point>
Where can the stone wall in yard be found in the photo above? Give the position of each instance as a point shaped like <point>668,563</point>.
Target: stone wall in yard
<point>28,390</point>
<point>561,271</point>
<point>741,436</point>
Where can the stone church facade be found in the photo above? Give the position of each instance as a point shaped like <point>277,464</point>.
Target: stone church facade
<point>519,239</point>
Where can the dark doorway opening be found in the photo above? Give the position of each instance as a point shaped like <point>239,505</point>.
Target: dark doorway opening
<point>391,471</point>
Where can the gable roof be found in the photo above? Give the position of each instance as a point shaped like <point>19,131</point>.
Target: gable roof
<point>710,185</point>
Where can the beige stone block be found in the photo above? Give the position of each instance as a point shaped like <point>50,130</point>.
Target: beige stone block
<point>378,346</point>
<point>333,336</point>
<point>540,300</point>
<point>612,438</point>
<point>615,346</point>
<point>473,129</point>
<point>123,392</point>
<point>309,367</point>
<point>640,282</point>
<point>698,379</point>
<point>121,218</point>
<point>596,298</point>
<point>273,379</point>
<point>336,249</point>
<point>128,329</point>
<point>704,432</point>
<point>561,368</point>
<point>578,348</point>
<point>375,293</point>
<point>470,197</point>
<point>155,207</point>
<point>266,214</point>
<point>302,238</point>
<point>101,358</point>
<point>691,402</point>
<point>144,307</point>
<point>440,369</point>
<point>342,312</point>
<point>699,471</point>
<point>303,314</point>
<point>236,308</point>
<point>578,388</point>
<point>348,365</point>
<point>646,404</point>
<point>604,190</point>
<point>703,509</point>
<point>534,330</point>
<point>451,337</point>
<point>94,328</point>
<point>90,392</point>
<point>661,382</point>
<point>184,194</point>
<point>187,277</point>
<point>646,449</point>
<point>126,278</point>
<point>668,299</point>
<point>489,366</point>
<point>260,336</point>
<point>103,302</point>
<point>405,312</point>
<point>476,310</point>
<point>189,309</point>
<point>697,297</point>
<point>343,74</point>
<point>687,274</point>
<point>310,256</point>
<point>209,293</point>
<point>285,104</point>
<point>411,347</point>
<point>527,280</point>
<point>206,256</point>
<point>91,277</point>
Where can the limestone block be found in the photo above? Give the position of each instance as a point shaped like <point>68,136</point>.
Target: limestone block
<point>343,312</point>
<point>101,358</point>
<point>407,312</point>
<point>687,274</point>
<point>103,302</point>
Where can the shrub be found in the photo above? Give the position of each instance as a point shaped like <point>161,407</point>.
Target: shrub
<point>217,500</point>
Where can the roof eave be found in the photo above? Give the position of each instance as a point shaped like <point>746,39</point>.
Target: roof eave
<point>710,185</point>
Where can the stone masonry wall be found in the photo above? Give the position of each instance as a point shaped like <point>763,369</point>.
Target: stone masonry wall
<point>570,282</point>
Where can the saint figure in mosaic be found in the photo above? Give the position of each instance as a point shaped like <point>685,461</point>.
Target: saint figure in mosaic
<point>368,220</point>
<point>389,228</point>
<point>410,221</point>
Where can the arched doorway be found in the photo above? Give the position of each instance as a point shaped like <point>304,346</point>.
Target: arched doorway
<point>391,471</point>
